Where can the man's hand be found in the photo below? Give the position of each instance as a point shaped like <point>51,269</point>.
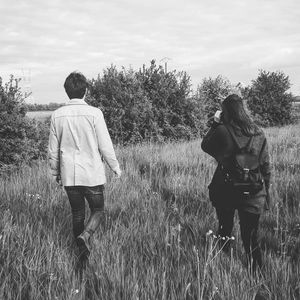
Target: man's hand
<point>58,180</point>
<point>118,173</point>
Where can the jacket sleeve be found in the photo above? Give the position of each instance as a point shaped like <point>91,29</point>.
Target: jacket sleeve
<point>53,150</point>
<point>265,166</point>
<point>105,145</point>
<point>216,142</point>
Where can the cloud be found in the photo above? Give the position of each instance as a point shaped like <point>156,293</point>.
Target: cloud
<point>234,38</point>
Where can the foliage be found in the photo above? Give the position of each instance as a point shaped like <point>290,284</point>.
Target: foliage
<point>21,139</point>
<point>11,98</point>
<point>149,104</point>
<point>268,99</point>
<point>210,94</point>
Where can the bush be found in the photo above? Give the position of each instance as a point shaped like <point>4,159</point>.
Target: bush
<point>149,104</point>
<point>21,139</point>
<point>268,99</point>
<point>209,96</point>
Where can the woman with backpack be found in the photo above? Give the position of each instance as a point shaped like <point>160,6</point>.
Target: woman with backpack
<point>241,179</point>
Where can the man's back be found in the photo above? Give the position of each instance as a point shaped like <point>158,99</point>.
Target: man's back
<point>78,138</point>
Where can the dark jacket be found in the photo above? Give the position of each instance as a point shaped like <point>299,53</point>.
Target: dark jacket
<point>219,144</point>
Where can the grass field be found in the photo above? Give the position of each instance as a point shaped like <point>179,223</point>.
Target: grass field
<point>41,115</point>
<point>153,243</point>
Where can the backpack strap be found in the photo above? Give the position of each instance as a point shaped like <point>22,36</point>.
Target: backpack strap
<point>230,130</point>
<point>262,148</point>
<point>249,143</point>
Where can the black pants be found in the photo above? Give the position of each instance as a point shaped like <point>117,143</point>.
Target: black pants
<point>95,198</point>
<point>249,232</point>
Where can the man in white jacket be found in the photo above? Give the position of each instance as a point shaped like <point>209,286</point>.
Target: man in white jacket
<point>78,143</point>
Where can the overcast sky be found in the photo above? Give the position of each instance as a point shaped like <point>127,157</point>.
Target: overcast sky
<point>234,38</point>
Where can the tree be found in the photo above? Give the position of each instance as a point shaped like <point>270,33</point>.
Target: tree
<point>210,94</point>
<point>148,104</point>
<point>11,97</point>
<point>19,136</point>
<point>268,99</point>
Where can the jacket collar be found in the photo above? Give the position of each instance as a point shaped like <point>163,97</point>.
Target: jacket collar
<point>76,101</point>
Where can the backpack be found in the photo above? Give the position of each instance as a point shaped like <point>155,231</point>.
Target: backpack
<point>244,173</point>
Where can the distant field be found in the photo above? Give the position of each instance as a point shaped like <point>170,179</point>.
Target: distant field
<point>40,115</point>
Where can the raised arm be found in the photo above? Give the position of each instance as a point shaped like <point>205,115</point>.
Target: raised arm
<point>217,142</point>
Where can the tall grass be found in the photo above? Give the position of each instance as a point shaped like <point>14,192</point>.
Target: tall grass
<point>154,241</point>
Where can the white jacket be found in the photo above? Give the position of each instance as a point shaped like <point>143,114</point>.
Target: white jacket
<point>78,141</point>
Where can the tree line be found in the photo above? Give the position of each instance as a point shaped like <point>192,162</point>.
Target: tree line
<point>148,104</point>
<point>154,104</point>
<point>41,107</point>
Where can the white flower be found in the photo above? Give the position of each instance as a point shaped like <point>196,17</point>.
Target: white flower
<point>75,291</point>
<point>209,232</point>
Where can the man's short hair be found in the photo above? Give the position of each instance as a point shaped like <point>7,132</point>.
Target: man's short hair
<point>76,85</point>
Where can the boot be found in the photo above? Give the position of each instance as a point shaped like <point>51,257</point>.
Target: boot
<point>83,242</point>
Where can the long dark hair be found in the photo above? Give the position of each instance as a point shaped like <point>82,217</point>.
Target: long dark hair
<point>238,117</point>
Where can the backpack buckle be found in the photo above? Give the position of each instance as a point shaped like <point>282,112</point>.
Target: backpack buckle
<point>246,174</point>
<point>246,195</point>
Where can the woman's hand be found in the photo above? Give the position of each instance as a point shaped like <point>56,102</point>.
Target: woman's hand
<point>218,116</point>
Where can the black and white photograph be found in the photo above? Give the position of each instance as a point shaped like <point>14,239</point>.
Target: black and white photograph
<point>150,150</point>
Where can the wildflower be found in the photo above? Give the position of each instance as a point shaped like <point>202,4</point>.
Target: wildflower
<point>195,249</point>
<point>209,232</point>
<point>52,276</point>
<point>216,289</point>
<point>75,291</point>
<point>179,227</point>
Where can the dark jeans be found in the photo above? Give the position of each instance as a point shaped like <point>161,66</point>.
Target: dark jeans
<point>95,198</point>
<point>249,232</point>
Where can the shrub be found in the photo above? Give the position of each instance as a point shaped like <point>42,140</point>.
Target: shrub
<point>149,104</point>
<point>268,99</point>
<point>210,94</point>
<point>21,139</point>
